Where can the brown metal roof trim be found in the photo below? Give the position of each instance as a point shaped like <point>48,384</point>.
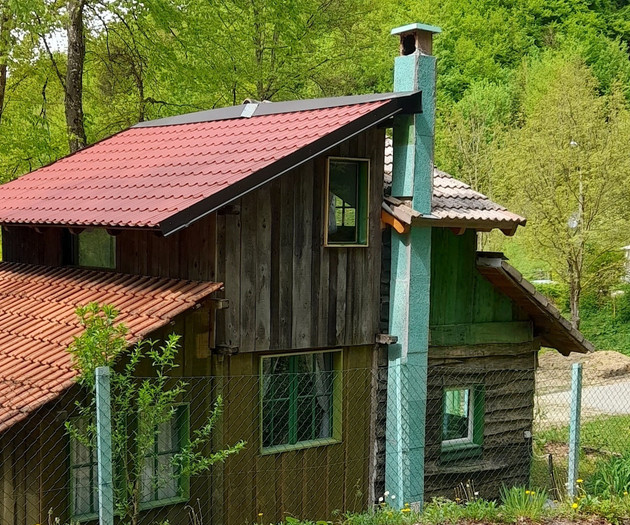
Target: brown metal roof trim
<point>549,324</point>
<point>38,322</point>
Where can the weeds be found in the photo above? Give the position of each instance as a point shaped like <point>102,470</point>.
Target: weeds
<point>519,502</point>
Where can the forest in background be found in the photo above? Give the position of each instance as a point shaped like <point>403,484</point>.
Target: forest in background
<point>533,102</point>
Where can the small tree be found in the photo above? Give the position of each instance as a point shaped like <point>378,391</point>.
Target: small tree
<point>138,406</point>
<point>566,170</point>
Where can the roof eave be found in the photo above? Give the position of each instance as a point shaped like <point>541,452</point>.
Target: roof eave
<point>507,227</point>
<point>407,104</point>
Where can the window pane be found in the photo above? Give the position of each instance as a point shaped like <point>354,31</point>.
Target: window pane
<point>167,481</point>
<point>97,249</point>
<point>456,423</point>
<point>84,491</point>
<point>305,430</point>
<point>344,195</point>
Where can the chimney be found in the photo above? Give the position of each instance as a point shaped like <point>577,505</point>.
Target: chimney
<point>415,70</point>
<point>412,180</point>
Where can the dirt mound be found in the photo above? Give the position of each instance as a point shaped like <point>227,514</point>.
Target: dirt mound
<point>604,366</point>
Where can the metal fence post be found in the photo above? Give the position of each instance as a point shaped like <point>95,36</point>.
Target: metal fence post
<point>104,448</point>
<point>574,429</point>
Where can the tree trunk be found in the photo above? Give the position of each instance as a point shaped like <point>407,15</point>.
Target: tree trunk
<point>74,76</point>
<point>5,46</point>
<point>574,302</point>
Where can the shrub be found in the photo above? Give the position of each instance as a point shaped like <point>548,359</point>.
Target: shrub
<point>519,502</point>
<point>612,477</point>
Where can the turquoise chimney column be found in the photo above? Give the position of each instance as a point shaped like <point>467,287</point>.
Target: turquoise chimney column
<point>412,181</point>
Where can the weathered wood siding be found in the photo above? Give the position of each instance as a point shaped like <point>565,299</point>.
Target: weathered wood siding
<point>478,337</point>
<point>506,373</point>
<point>309,483</point>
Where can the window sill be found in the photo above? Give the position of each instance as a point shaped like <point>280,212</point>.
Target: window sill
<point>278,449</point>
<point>163,502</point>
<point>459,451</point>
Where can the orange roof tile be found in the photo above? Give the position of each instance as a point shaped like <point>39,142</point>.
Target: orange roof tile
<point>38,322</point>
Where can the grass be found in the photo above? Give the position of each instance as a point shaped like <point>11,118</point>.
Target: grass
<point>517,505</point>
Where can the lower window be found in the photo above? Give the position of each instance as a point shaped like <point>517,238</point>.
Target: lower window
<point>462,421</point>
<point>300,400</point>
<point>161,483</point>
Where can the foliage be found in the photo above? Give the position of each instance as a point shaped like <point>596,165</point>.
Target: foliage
<point>138,406</point>
<point>612,477</point>
<point>519,502</point>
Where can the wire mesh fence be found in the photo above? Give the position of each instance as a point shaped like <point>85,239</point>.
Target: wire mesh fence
<point>308,438</point>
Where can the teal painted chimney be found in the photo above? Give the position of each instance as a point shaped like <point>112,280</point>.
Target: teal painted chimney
<point>412,181</point>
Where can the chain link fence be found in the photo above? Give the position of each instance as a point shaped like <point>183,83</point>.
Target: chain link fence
<point>307,438</point>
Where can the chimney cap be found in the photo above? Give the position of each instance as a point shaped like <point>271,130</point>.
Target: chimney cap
<point>415,27</point>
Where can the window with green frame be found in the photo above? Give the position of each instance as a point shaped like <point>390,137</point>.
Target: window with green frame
<point>347,201</point>
<point>161,481</point>
<point>95,249</point>
<point>462,421</point>
<point>83,477</point>
<point>300,400</point>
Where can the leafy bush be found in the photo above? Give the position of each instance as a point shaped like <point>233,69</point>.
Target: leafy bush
<point>612,477</point>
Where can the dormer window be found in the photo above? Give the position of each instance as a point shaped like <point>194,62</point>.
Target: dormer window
<point>95,249</point>
<point>347,204</point>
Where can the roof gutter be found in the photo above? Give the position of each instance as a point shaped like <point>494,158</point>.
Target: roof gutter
<point>410,103</point>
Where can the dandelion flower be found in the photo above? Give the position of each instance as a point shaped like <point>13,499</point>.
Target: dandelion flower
<point>580,481</point>
<point>386,493</point>
<point>527,492</point>
<point>380,499</point>
<point>625,493</point>
<point>260,514</point>
<point>406,509</point>
<point>574,506</point>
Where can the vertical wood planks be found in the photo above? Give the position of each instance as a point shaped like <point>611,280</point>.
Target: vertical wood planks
<point>263,268</point>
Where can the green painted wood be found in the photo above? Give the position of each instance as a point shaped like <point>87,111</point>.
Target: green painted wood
<point>481,333</point>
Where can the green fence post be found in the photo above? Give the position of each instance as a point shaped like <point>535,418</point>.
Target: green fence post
<point>574,429</point>
<point>104,448</point>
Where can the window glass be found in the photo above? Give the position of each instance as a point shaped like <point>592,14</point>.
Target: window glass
<point>83,471</point>
<point>457,420</point>
<point>160,477</point>
<point>347,201</point>
<point>297,398</point>
<point>97,249</point>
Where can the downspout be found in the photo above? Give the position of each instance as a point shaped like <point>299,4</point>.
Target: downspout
<point>412,180</point>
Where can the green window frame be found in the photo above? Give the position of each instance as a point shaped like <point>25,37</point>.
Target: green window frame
<point>347,202</point>
<point>463,412</point>
<point>83,479</point>
<point>83,466</point>
<point>95,249</point>
<point>300,400</point>
<point>161,483</point>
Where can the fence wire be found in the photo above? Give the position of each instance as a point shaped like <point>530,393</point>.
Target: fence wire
<point>306,438</point>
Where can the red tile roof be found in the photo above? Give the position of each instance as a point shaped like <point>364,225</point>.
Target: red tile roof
<point>38,322</point>
<point>145,175</point>
<point>455,203</point>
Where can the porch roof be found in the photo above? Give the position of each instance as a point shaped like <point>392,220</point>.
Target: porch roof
<point>38,323</point>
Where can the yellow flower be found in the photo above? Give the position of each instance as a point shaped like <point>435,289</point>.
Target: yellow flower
<point>625,493</point>
<point>406,509</point>
<point>527,492</point>
<point>407,504</point>
<point>574,506</point>
<point>260,514</point>
<point>580,481</point>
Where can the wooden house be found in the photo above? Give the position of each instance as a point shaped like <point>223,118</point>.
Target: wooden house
<point>262,234</point>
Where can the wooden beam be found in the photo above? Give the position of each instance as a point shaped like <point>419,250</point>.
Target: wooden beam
<point>394,222</point>
<point>481,333</point>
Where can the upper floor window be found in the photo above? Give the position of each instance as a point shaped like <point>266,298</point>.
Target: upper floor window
<point>348,181</point>
<point>96,249</point>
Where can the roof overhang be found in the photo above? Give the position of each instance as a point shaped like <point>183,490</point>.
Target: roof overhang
<point>397,104</point>
<point>550,326</point>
